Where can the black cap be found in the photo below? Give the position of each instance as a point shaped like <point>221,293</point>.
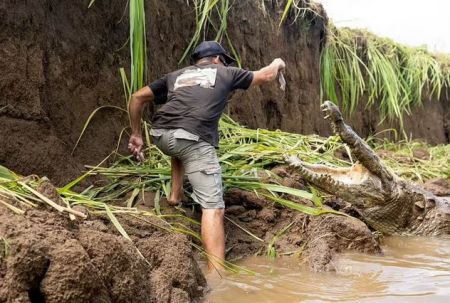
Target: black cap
<point>211,48</point>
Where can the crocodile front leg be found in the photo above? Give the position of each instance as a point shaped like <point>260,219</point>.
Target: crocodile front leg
<point>359,148</point>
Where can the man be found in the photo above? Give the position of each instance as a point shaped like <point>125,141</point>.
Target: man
<point>186,128</point>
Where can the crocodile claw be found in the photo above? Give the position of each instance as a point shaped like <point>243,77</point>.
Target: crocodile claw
<point>331,112</point>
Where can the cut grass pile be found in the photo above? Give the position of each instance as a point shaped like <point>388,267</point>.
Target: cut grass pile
<point>415,160</point>
<point>246,156</point>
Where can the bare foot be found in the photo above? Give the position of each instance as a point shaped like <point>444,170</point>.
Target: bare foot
<point>173,202</point>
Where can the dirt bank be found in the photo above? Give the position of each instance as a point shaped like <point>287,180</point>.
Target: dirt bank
<point>314,240</point>
<point>49,258</point>
<point>46,257</point>
<point>59,62</point>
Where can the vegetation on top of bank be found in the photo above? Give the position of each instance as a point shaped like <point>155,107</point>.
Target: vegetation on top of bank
<point>357,64</point>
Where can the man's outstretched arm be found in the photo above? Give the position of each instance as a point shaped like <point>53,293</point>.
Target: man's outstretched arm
<point>135,109</point>
<point>269,73</point>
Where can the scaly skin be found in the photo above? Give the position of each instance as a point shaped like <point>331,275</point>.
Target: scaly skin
<point>386,202</point>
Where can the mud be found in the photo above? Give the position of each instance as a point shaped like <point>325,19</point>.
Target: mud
<point>46,257</point>
<point>438,186</point>
<point>50,258</point>
<point>314,240</point>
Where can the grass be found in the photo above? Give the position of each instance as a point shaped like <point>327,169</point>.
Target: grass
<point>300,9</point>
<point>4,247</point>
<point>210,15</point>
<point>393,77</point>
<point>211,20</point>
<point>271,247</point>
<point>401,157</point>
<point>247,155</point>
<point>138,45</point>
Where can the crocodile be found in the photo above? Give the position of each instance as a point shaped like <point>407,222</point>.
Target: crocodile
<point>385,202</point>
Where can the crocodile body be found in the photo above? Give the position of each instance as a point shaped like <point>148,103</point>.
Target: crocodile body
<point>386,202</point>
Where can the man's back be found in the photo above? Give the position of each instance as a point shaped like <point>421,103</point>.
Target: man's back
<point>196,96</point>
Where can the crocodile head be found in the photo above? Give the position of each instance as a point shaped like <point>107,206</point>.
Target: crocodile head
<point>386,202</point>
<point>354,184</point>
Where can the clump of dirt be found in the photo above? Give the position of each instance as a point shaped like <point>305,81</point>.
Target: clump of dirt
<point>438,186</point>
<point>49,258</point>
<point>316,239</point>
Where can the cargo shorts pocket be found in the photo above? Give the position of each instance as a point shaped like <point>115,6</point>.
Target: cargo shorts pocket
<point>207,187</point>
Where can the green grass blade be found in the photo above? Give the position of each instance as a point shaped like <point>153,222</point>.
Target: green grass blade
<point>116,222</point>
<point>88,121</point>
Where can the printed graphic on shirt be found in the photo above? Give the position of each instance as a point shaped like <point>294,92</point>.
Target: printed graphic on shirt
<point>205,77</point>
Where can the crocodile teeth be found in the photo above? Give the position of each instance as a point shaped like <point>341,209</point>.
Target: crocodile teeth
<point>320,180</point>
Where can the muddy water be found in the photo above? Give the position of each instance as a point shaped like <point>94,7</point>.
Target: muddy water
<point>412,270</point>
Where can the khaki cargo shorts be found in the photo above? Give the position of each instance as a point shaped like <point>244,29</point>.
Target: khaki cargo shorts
<point>200,161</point>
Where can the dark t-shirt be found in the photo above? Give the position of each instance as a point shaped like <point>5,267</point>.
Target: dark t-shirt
<point>194,98</point>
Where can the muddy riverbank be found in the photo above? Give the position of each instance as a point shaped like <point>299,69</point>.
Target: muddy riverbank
<point>46,257</point>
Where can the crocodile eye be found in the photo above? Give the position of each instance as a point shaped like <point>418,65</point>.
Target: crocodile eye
<point>431,202</point>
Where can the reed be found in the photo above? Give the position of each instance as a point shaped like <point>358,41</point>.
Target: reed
<point>210,16</point>
<point>391,76</point>
<point>138,45</point>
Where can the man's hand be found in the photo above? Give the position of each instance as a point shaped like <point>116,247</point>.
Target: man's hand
<point>280,63</point>
<point>269,73</point>
<point>135,147</point>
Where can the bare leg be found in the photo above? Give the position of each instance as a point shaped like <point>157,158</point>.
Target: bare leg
<point>213,237</point>
<point>177,182</point>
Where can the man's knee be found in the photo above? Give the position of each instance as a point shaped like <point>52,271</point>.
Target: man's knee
<point>216,212</point>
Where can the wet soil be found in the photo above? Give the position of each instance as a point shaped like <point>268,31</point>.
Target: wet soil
<point>314,240</point>
<point>46,257</point>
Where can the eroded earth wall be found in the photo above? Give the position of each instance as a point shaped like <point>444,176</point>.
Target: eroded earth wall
<point>59,62</point>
